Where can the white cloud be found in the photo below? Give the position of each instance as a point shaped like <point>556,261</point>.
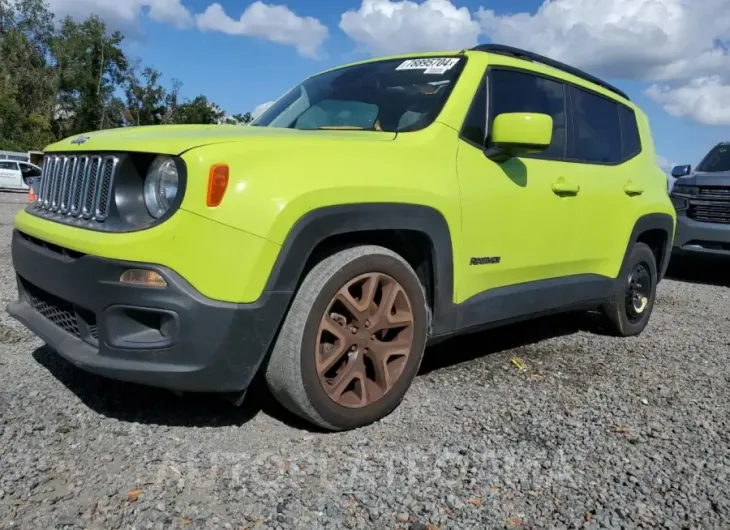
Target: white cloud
<point>704,100</point>
<point>276,23</point>
<point>634,39</point>
<point>664,163</point>
<point>667,166</point>
<point>124,14</point>
<point>672,42</point>
<point>389,27</point>
<point>259,109</point>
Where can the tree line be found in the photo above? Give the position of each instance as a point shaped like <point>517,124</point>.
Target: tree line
<point>63,77</point>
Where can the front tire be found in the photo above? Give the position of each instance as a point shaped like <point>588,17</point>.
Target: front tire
<point>627,313</point>
<point>352,341</point>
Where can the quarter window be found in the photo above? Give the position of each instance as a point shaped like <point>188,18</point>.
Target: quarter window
<point>630,139</point>
<point>513,91</point>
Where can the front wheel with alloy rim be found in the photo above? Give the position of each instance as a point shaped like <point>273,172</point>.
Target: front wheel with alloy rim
<point>352,341</point>
<point>627,312</point>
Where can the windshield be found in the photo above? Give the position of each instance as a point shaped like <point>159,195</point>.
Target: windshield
<point>391,95</point>
<point>717,160</point>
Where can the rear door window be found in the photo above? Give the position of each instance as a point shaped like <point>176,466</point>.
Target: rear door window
<point>597,129</point>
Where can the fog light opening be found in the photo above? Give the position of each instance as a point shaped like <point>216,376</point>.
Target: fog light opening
<point>143,277</point>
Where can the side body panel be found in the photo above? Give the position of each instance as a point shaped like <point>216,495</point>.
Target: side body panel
<point>515,228</point>
<point>269,192</point>
<point>512,217</point>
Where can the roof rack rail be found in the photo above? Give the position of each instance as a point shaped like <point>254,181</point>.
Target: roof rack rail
<point>530,56</point>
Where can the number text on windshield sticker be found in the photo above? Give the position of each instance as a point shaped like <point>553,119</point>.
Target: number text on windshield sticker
<point>430,65</point>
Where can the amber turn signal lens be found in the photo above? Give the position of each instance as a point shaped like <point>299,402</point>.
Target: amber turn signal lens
<point>217,184</point>
<point>143,277</point>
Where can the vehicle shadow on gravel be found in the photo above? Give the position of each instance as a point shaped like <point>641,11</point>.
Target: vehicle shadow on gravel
<point>465,348</point>
<point>708,270</point>
<point>142,404</point>
<point>136,403</point>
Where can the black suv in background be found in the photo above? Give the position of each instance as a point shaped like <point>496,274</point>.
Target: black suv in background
<point>702,201</point>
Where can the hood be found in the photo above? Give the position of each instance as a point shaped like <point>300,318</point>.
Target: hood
<point>176,139</point>
<point>702,179</point>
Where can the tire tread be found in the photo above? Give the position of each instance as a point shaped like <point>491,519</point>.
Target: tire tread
<point>283,371</point>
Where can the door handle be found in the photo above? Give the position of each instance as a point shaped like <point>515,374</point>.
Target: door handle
<point>632,189</point>
<point>563,187</point>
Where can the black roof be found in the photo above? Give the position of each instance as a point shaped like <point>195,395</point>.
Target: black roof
<point>531,56</point>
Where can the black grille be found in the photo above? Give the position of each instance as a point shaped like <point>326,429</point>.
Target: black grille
<point>58,311</point>
<point>715,192</point>
<point>712,206</point>
<point>75,320</point>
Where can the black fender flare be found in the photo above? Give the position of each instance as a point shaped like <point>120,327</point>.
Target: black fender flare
<point>322,223</point>
<point>652,221</point>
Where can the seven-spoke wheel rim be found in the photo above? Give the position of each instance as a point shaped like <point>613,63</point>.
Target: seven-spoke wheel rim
<point>364,340</point>
<point>638,292</point>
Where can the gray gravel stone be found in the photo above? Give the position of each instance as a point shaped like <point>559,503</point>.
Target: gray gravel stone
<point>597,432</point>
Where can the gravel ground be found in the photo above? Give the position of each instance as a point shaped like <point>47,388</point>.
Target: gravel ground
<point>595,432</point>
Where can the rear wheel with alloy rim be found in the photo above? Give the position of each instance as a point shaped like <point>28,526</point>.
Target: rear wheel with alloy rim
<point>353,340</point>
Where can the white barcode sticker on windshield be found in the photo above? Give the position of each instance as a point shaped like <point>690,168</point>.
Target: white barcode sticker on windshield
<point>430,65</point>
<point>439,70</point>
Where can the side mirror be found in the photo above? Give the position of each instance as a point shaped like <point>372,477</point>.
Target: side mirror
<point>520,133</point>
<point>681,171</point>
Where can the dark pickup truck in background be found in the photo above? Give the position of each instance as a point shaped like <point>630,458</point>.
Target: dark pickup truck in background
<point>702,200</point>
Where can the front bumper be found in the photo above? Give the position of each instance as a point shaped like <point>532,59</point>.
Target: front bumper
<point>171,337</point>
<point>700,237</point>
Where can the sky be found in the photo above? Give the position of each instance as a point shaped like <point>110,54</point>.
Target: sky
<point>671,56</point>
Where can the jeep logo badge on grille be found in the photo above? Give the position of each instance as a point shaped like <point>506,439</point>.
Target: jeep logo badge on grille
<point>80,140</point>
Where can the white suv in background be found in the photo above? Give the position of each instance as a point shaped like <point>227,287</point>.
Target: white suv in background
<point>16,175</point>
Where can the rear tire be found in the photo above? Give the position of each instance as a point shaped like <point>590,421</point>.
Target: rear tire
<point>627,313</point>
<point>333,363</point>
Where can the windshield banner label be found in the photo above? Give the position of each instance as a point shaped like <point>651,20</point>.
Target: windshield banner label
<point>430,65</point>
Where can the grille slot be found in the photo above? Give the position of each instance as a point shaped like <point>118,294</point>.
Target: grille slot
<point>75,320</point>
<point>712,205</point>
<point>709,212</point>
<point>717,193</point>
<point>78,185</point>
<point>58,311</point>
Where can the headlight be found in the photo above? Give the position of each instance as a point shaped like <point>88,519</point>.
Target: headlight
<point>685,190</point>
<point>160,186</point>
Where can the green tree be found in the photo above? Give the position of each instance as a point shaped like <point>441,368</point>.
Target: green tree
<point>240,119</point>
<point>199,110</point>
<point>58,80</point>
<point>27,81</point>
<point>147,100</point>
<point>91,66</point>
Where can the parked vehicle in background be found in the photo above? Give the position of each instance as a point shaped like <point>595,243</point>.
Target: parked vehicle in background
<point>34,157</point>
<point>372,209</point>
<point>702,202</point>
<point>15,175</point>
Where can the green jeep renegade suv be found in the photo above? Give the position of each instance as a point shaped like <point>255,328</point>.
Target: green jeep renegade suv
<point>373,209</point>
